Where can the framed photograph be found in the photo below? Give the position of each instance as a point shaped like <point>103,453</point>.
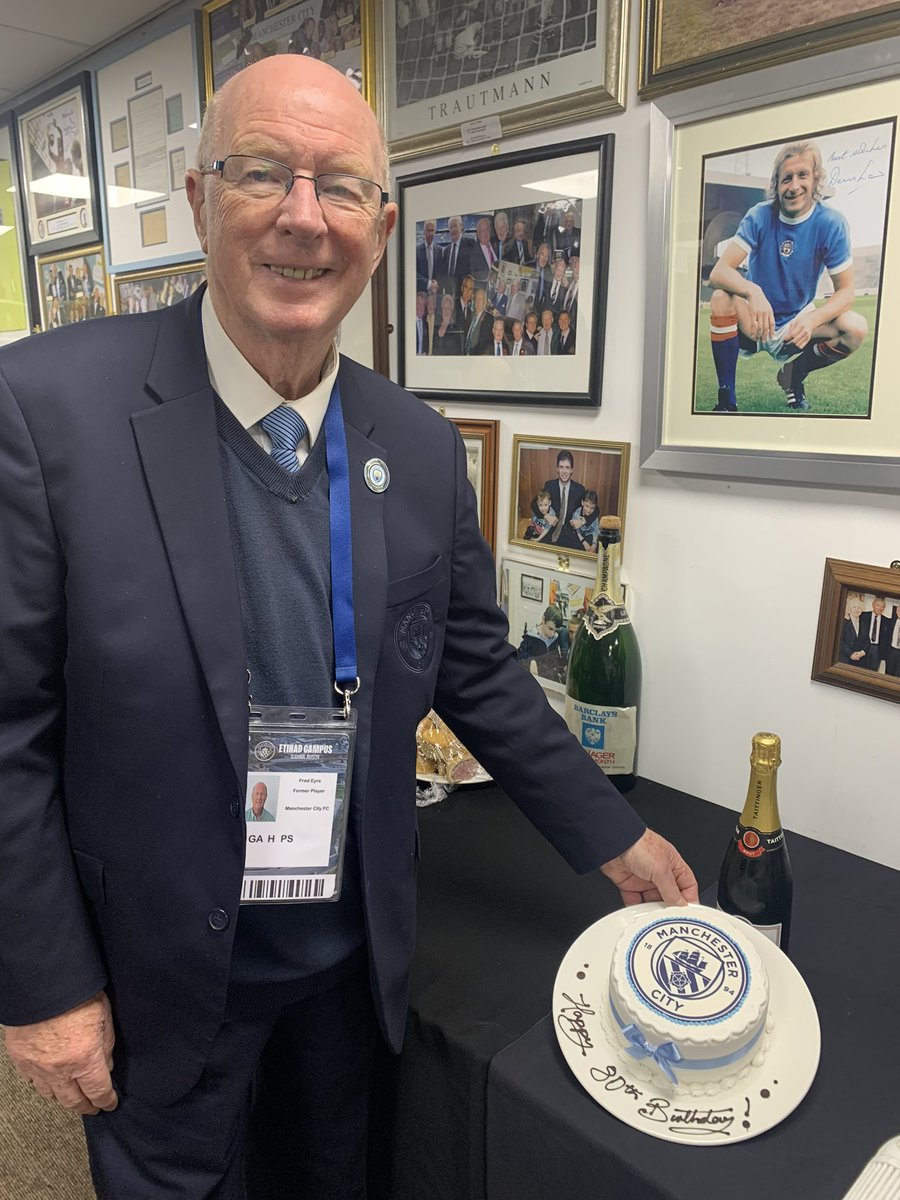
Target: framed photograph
<point>72,287</point>
<point>503,277</point>
<point>858,639</point>
<point>482,448</point>
<point>149,106</point>
<point>238,32</point>
<point>684,43</point>
<point>561,489</point>
<point>157,287</point>
<point>56,161</point>
<point>479,72</point>
<point>543,607</point>
<point>14,317</point>
<point>772,288</point>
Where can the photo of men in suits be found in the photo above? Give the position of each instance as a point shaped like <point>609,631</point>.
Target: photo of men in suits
<point>876,628</point>
<point>581,483</point>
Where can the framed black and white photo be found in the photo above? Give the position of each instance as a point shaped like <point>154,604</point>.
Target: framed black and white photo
<point>503,277</point>
<point>149,106</point>
<point>788,199</point>
<point>543,606</point>
<point>560,490</point>
<point>156,287</point>
<point>56,163</point>
<point>858,636</point>
<point>458,73</point>
<point>340,32</point>
<point>14,318</point>
<point>72,287</point>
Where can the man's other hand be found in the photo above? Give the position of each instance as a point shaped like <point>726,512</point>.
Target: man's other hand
<point>69,1058</point>
<point>652,869</point>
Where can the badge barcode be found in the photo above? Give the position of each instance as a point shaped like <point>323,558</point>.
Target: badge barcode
<point>307,887</point>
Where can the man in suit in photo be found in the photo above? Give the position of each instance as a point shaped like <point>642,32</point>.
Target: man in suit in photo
<point>500,300</point>
<point>566,495</point>
<point>421,334</point>
<point>570,300</point>
<point>517,305</point>
<point>164,564</point>
<point>519,344</point>
<point>875,630</point>
<point>567,240</point>
<point>456,257</point>
<point>521,248</point>
<point>565,335</point>
<point>892,658</point>
<point>557,294</point>
<point>497,345</point>
<point>544,277</point>
<point>465,305</point>
<point>479,331</point>
<point>428,254</point>
<point>546,336</point>
<point>501,241</point>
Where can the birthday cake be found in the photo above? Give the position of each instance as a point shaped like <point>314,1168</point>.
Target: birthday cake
<point>688,1000</point>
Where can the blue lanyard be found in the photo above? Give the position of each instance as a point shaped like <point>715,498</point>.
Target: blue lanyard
<point>346,680</point>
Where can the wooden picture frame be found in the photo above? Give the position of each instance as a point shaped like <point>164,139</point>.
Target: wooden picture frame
<point>483,448</point>
<point>839,91</point>
<point>597,467</point>
<point>684,43</point>
<point>72,286</point>
<point>559,198</point>
<point>845,654</point>
<point>459,76</point>
<point>155,287</point>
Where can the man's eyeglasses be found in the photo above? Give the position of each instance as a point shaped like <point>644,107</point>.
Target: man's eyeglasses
<point>263,179</point>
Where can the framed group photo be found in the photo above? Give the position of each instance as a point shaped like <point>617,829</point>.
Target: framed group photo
<point>239,32</point>
<point>482,456</point>
<point>148,114</point>
<point>56,160</point>
<point>513,68</point>
<point>783,209</point>
<point>858,637</point>
<point>503,277</point>
<point>684,43</point>
<point>157,287</point>
<point>14,319</point>
<point>543,606</point>
<point>72,287</point>
<point>561,489</point>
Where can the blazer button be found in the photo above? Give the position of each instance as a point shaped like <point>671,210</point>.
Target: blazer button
<point>218,919</point>
<point>235,808</point>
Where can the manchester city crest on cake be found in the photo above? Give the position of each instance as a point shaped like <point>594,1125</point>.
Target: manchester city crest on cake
<point>688,970</point>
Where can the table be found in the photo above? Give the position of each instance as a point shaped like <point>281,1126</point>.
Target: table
<point>481,1106</point>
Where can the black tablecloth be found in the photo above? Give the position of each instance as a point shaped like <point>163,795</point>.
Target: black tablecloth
<point>498,910</point>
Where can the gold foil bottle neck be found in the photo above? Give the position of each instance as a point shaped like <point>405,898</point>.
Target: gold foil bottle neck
<point>766,751</point>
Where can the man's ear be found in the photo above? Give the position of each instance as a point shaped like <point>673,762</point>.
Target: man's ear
<point>388,221</point>
<point>196,197</point>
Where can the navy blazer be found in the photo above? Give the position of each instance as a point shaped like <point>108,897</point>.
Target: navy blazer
<point>124,685</point>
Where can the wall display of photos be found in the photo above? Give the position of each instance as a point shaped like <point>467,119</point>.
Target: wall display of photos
<point>858,637</point>
<point>157,287</point>
<point>543,606</point>
<point>503,276</point>
<point>14,319</point>
<point>807,396</point>
<point>684,43</point>
<point>149,119</point>
<point>72,287</point>
<point>514,67</point>
<point>561,489</point>
<point>56,161</point>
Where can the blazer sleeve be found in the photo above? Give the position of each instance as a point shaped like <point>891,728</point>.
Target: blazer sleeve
<point>501,714</point>
<point>49,960</point>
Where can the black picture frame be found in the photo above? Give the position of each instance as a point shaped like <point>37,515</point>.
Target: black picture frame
<point>548,188</point>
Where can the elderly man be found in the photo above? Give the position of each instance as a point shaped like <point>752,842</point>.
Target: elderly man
<point>257,810</point>
<point>186,533</point>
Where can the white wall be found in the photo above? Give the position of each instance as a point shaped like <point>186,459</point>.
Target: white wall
<point>726,576</point>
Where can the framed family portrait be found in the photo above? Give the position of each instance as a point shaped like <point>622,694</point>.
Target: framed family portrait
<point>858,638</point>
<point>158,287</point>
<point>684,43</point>
<point>14,319</point>
<point>493,69</point>
<point>56,162</point>
<point>503,277</point>
<point>72,286</point>
<point>239,32</point>
<point>543,606</point>
<point>768,302</point>
<point>482,455</point>
<point>148,114</point>
<point>561,489</point>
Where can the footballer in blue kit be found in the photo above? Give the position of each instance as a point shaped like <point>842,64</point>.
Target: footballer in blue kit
<point>783,245</point>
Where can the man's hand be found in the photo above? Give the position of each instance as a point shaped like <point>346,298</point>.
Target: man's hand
<point>68,1058</point>
<point>652,869</point>
<point>801,329</point>
<point>759,314</point>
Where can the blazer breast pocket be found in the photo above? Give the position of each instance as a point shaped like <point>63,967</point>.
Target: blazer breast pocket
<point>409,587</point>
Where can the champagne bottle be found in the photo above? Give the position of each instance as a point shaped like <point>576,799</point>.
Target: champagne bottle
<point>603,686</point>
<point>755,881</point>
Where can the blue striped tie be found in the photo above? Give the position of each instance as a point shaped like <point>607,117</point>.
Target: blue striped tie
<point>287,429</point>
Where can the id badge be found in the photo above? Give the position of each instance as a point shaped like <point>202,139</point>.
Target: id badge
<point>298,790</point>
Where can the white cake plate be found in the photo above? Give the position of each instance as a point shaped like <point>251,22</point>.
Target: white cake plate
<point>757,1102</point>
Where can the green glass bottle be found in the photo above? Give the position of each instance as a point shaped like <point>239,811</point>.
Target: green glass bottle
<point>603,686</point>
<point>755,881</point>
